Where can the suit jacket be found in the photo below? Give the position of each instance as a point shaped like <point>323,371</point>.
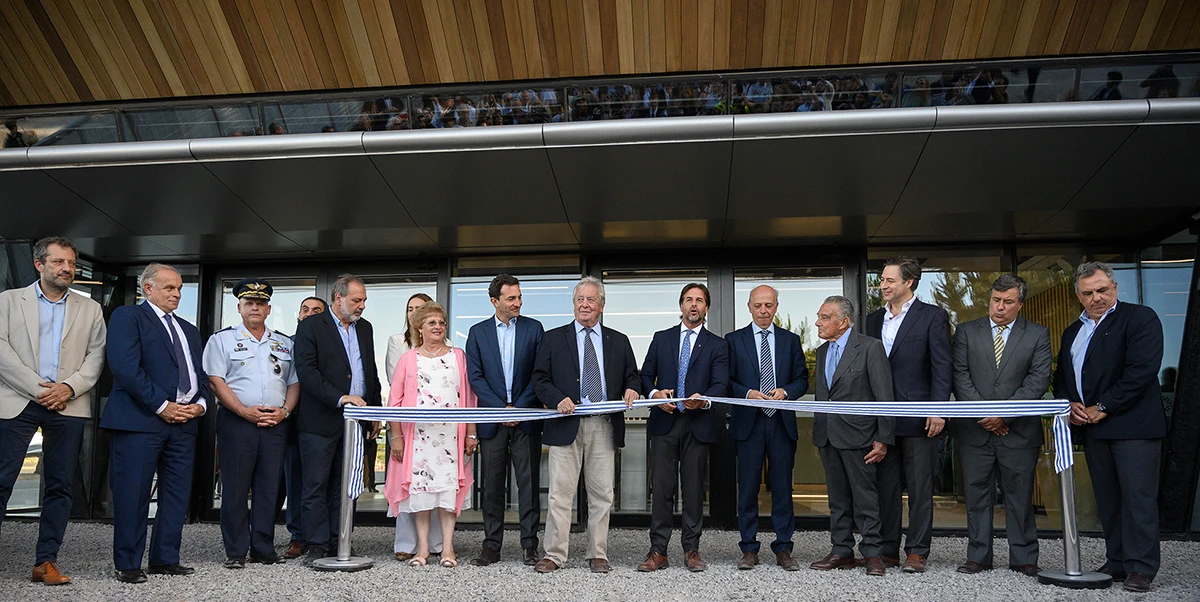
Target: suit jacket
<point>145,371</point>
<point>80,356</point>
<point>862,374</point>
<point>791,375</point>
<point>1024,373</point>
<point>920,358</point>
<point>485,369</point>
<point>324,372</point>
<point>556,374</point>
<point>1120,370</point>
<point>708,374</point>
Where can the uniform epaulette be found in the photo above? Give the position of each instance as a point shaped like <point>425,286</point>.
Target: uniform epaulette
<point>224,329</point>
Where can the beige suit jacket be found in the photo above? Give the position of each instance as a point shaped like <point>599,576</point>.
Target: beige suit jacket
<point>81,356</point>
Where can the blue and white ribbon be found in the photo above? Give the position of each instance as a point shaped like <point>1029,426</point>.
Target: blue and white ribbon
<point>1059,408</point>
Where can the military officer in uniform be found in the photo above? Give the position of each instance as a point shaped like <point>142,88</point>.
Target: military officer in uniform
<point>251,373</point>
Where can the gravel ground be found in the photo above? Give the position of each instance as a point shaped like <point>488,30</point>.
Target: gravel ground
<point>87,558</point>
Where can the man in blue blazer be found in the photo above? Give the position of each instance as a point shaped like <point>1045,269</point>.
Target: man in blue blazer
<point>500,353</point>
<point>159,389</point>
<point>681,433</point>
<point>1108,368</point>
<point>765,363</point>
<point>916,337</point>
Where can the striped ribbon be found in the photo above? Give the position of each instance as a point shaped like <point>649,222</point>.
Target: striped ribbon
<point>1059,408</point>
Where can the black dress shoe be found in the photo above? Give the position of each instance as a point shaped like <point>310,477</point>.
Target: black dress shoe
<point>531,556</point>
<point>971,567</point>
<point>313,554</point>
<point>171,569</point>
<point>486,556</point>
<point>271,558</point>
<point>1137,583</point>
<point>235,562</point>
<point>1118,575</point>
<point>131,576</point>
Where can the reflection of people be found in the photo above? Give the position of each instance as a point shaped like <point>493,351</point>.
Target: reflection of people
<point>429,461</point>
<point>46,381</point>
<point>293,487</point>
<point>334,354</point>
<point>916,336</point>
<point>1111,89</point>
<point>1108,368</point>
<point>251,373</point>
<point>500,353</point>
<point>689,361</point>
<point>159,389</point>
<point>581,363</point>
<point>851,367</point>
<point>765,362</point>
<point>997,357</point>
<point>1162,83</point>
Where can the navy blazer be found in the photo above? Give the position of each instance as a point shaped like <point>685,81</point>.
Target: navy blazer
<point>1120,370</point>
<point>145,371</point>
<point>922,364</point>
<point>485,369</point>
<point>708,374</point>
<point>324,372</point>
<point>556,375</point>
<point>791,375</point>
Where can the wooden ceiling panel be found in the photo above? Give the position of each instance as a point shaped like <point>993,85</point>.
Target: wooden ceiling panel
<point>72,51</point>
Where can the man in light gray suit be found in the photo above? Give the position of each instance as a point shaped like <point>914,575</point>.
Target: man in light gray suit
<point>1002,356</point>
<point>851,367</point>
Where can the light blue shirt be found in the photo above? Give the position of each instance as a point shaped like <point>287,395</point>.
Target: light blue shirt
<point>833,355</point>
<point>598,343</point>
<point>247,365</point>
<point>1007,330</point>
<point>770,343</point>
<point>1080,345</point>
<point>349,336</point>
<point>51,316</point>
<point>506,335</point>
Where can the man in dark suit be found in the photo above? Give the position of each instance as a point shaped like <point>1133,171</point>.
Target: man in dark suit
<point>582,363</point>
<point>500,353</point>
<point>916,337</point>
<point>1108,368</point>
<point>765,363</point>
<point>335,361</point>
<point>683,361</point>
<point>851,367</point>
<point>1001,356</point>
<point>159,389</point>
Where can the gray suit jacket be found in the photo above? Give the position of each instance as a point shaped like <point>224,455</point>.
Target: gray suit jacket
<point>80,356</point>
<point>1024,373</point>
<point>862,374</point>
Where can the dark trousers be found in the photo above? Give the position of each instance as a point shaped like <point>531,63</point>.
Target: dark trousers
<point>370,450</point>
<point>909,464</point>
<point>767,444</point>
<point>1125,480</point>
<point>1016,467</point>
<point>677,458</point>
<point>853,501</point>
<point>321,465</point>
<point>61,439</point>
<point>251,460</point>
<point>290,487</point>
<point>136,457</point>
<point>524,452</point>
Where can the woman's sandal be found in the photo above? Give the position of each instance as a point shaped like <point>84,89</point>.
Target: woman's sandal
<point>449,562</point>
<point>416,561</point>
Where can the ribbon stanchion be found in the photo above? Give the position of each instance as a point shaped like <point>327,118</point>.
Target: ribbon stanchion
<point>351,474</point>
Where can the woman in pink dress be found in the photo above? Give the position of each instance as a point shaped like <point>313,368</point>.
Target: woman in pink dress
<point>431,461</point>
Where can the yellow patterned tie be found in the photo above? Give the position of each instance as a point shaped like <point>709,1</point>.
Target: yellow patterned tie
<point>999,343</point>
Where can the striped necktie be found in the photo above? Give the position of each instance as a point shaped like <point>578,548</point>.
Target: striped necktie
<point>998,344</point>
<point>685,358</point>
<point>766,370</point>
<point>593,389</point>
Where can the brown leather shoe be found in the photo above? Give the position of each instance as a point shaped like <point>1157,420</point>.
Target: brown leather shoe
<point>915,563</point>
<point>486,556</point>
<point>546,565</point>
<point>47,572</point>
<point>654,562</point>
<point>404,556</point>
<point>833,561</point>
<point>875,567</point>
<point>599,565</point>
<point>1029,570</point>
<point>1137,583</point>
<point>971,567</point>
<point>694,563</point>
<point>784,559</point>
<point>296,550</point>
<point>749,559</point>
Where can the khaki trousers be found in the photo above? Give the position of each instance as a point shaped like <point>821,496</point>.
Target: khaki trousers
<point>593,451</point>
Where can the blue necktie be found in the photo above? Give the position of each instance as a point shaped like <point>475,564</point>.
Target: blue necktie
<point>831,362</point>
<point>766,370</point>
<point>185,379</point>
<point>685,357</point>
<point>592,389</point>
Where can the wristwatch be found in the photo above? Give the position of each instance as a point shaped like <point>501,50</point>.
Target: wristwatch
<point>1100,406</point>
<point>475,437</point>
<point>286,414</point>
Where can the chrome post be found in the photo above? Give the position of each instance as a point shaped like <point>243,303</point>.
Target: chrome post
<point>344,561</point>
<point>1073,576</point>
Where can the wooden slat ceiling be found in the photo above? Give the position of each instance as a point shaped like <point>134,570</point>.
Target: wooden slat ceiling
<point>69,51</point>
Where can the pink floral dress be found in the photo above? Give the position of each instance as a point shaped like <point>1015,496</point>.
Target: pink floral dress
<point>435,444</point>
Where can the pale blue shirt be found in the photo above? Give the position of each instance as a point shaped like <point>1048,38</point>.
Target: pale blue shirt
<point>598,344</point>
<point>247,365</point>
<point>1007,330</point>
<point>358,381</point>
<point>833,355</point>
<point>1080,344</point>
<point>189,396</point>
<point>51,316</point>
<point>506,335</point>
<point>770,343</point>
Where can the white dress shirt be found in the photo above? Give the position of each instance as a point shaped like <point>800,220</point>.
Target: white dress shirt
<point>187,354</point>
<point>891,324</point>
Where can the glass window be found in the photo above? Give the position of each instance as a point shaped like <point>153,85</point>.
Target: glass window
<point>958,281</point>
<point>286,296</point>
<point>823,92</point>
<point>1140,81</point>
<point>636,101</point>
<point>1166,280</point>
<point>499,107</point>
<point>991,85</point>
